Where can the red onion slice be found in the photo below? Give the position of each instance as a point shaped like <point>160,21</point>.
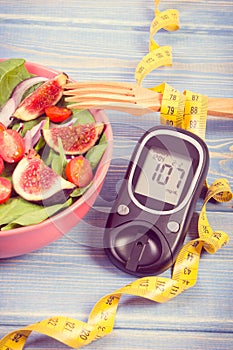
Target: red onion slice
<point>32,136</point>
<point>6,111</point>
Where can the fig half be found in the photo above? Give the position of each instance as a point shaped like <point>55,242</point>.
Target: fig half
<point>34,181</point>
<point>76,139</point>
<point>48,94</point>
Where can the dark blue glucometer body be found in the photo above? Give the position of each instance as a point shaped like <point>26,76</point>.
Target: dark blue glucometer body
<point>150,217</point>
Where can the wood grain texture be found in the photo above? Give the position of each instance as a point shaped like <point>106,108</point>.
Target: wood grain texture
<point>104,40</point>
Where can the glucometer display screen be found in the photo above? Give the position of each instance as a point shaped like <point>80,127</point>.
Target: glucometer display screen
<point>163,175</point>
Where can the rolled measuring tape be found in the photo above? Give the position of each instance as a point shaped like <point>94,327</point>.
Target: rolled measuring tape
<point>187,110</point>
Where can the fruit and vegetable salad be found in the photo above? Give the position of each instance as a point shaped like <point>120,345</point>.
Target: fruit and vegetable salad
<point>48,151</point>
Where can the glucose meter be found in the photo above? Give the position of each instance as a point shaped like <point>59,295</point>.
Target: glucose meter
<point>150,217</point>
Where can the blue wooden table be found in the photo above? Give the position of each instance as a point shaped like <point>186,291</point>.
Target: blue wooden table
<point>105,40</point>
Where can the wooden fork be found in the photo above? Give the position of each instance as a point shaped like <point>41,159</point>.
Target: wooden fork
<point>130,98</point>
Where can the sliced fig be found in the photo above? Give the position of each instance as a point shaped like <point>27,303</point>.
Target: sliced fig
<point>76,139</point>
<point>48,94</point>
<point>34,181</point>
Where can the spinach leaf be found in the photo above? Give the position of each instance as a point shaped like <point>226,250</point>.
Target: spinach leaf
<point>47,156</point>
<point>82,116</point>
<point>36,215</point>
<point>79,191</point>
<point>96,152</point>
<point>59,159</point>
<point>12,72</point>
<point>14,208</point>
<point>41,143</point>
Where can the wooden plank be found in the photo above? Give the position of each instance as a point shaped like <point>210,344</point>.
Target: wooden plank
<point>132,340</point>
<point>104,40</point>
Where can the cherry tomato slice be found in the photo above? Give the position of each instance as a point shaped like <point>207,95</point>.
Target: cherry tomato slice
<point>58,114</point>
<point>1,165</point>
<point>11,146</point>
<point>2,127</point>
<point>5,189</point>
<point>78,171</point>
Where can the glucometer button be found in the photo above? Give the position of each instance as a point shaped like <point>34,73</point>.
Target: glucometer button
<point>173,226</point>
<point>123,209</point>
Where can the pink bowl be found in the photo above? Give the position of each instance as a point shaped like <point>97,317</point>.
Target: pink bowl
<point>26,239</point>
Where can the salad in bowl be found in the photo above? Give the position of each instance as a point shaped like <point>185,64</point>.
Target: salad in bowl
<point>53,159</point>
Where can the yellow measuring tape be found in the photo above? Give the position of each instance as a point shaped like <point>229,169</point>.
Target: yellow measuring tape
<point>187,110</point>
